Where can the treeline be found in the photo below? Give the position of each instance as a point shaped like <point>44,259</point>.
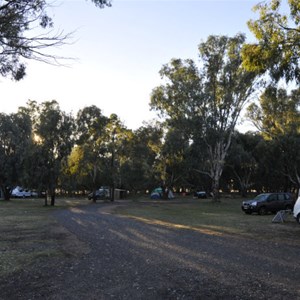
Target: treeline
<point>195,144</point>
<point>44,148</point>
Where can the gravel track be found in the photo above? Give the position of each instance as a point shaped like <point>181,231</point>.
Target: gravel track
<point>123,258</point>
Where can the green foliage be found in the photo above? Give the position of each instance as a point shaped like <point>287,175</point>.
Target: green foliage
<point>278,120</point>
<point>278,35</point>
<point>15,138</point>
<point>53,138</point>
<point>138,171</point>
<point>85,164</point>
<point>242,162</point>
<point>205,103</point>
<point>277,112</point>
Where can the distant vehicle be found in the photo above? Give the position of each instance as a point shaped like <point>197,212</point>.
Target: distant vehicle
<point>102,193</point>
<point>34,194</point>
<point>200,195</point>
<point>296,210</point>
<point>268,202</point>
<point>19,192</point>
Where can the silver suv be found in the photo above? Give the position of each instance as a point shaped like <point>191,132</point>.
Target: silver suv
<point>269,202</point>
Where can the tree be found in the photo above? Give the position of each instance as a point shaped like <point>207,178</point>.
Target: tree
<point>141,149</point>
<point>277,50</point>
<point>276,113</point>
<point>86,160</point>
<point>289,146</point>
<point>242,161</point>
<point>172,158</point>
<point>18,19</point>
<point>53,135</point>
<point>278,119</point>
<point>15,139</point>
<point>207,102</point>
<point>97,157</point>
<point>117,136</point>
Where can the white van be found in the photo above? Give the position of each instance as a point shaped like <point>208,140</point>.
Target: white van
<point>296,210</point>
<point>19,192</point>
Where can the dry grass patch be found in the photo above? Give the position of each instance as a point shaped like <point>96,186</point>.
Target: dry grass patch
<point>29,234</point>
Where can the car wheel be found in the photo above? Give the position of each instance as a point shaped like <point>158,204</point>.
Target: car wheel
<point>262,211</point>
<point>298,218</point>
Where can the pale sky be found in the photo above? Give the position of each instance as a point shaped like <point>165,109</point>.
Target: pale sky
<point>120,50</point>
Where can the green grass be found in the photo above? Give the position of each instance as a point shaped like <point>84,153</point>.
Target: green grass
<point>225,217</point>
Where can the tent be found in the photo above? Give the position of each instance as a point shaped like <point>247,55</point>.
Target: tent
<point>158,194</point>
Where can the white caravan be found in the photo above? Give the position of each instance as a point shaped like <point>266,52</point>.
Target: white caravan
<point>296,210</point>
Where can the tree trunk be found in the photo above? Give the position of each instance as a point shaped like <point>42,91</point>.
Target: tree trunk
<point>112,196</point>
<point>53,199</point>
<point>6,193</point>
<point>217,156</point>
<point>215,188</point>
<point>46,199</point>
<point>52,196</point>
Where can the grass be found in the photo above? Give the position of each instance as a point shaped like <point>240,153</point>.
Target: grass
<point>225,217</point>
<point>29,233</point>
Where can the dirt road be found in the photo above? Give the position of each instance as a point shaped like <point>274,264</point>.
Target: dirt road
<point>121,258</point>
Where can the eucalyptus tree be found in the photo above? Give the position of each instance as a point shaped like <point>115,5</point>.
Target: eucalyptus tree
<point>243,160</point>
<point>276,113</point>
<point>53,136</point>
<point>97,157</point>
<point>87,159</point>
<point>277,49</point>
<point>116,139</point>
<point>206,101</point>
<point>15,140</point>
<point>18,40</point>
<point>139,171</point>
<point>277,117</point>
<point>172,159</point>
<point>289,146</point>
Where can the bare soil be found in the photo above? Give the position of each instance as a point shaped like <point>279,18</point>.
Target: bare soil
<point>108,256</point>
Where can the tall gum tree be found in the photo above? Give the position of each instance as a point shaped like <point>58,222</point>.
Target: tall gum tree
<point>53,134</point>
<point>15,140</point>
<point>277,118</point>
<point>89,152</point>
<point>206,101</point>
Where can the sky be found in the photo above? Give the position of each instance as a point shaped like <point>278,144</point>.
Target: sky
<point>118,52</point>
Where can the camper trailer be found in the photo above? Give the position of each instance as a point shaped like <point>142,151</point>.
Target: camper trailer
<point>296,210</point>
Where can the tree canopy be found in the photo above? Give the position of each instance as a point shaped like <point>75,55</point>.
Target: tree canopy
<point>277,31</point>
<point>19,38</point>
<point>206,102</point>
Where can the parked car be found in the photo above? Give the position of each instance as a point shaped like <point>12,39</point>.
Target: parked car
<point>296,210</point>
<point>19,192</point>
<point>200,195</point>
<point>34,194</point>
<point>268,202</point>
<point>102,193</point>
